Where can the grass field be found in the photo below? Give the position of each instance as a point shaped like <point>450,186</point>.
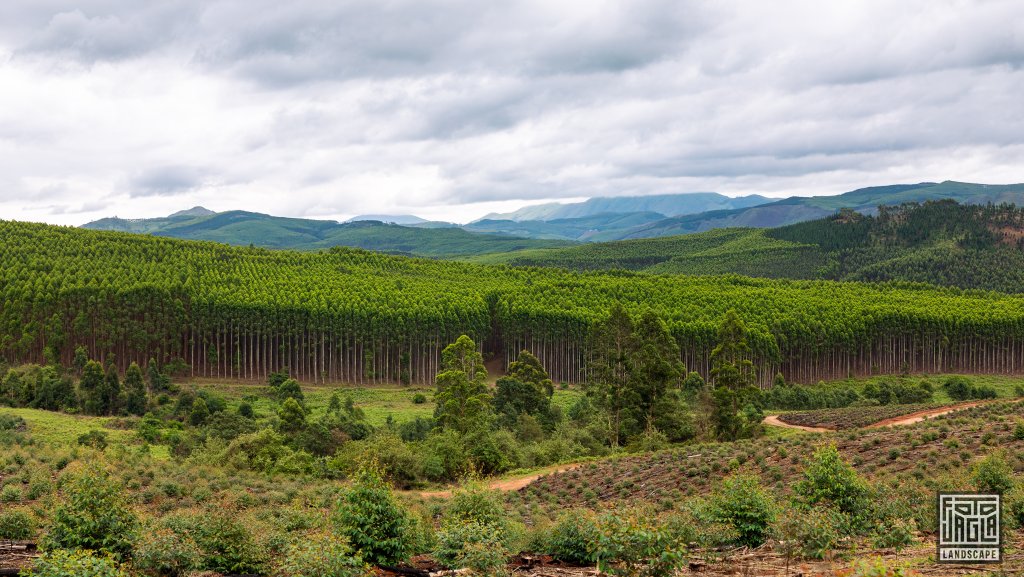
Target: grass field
<point>376,402</point>
<point>62,428</point>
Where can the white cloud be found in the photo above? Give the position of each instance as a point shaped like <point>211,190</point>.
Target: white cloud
<point>331,109</point>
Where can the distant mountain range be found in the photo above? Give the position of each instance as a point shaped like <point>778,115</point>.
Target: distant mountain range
<point>938,242</point>
<point>665,205</point>
<point>550,225</point>
<point>244,228</point>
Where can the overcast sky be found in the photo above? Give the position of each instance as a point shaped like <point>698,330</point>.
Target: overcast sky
<point>450,110</point>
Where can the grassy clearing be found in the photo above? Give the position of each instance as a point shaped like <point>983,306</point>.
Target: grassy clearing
<point>64,429</point>
<point>376,402</point>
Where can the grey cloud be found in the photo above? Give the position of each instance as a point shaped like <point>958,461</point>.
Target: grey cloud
<point>165,181</point>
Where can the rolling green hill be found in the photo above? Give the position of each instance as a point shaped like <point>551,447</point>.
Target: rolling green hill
<point>249,228</point>
<point>941,242</point>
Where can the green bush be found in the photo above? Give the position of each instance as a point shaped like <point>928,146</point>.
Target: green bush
<point>95,439</point>
<point>473,545</point>
<point>161,552</point>
<point>320,555</point>
<point>635,544</point>
<point>828,479</point>
<point>419,399</point>
<point>744,504</point>
<point>812,533</point>
<point>993,474</point>
<point>373,521</point>
<point>225,542</point>
<point>17,525</point>
<point>574,537</point>
<point>92,515</point>
<point>11,494</point>
<point>475,532</point>
<point>9,422</point>
<point>75,564</point>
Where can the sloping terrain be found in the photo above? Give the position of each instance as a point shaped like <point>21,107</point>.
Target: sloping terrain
<point>250,228</point>
<point>943,243</point>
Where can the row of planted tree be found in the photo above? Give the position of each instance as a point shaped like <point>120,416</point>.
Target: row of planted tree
<point>355,316</point>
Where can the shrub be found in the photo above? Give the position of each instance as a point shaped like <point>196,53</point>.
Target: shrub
<point>225,542</point>
<point>161,552</point>
<point>633,544</point>
<point>16,525</point>
<point>372,520</point>
<point>744,504</point>
<point>475,532</point>
<point>809,532</point>
<point>75,564</point>
<point>320,555</point>
<point>473,545</point>
<point>9,422</point>
<point>574,538</point>
<point>993,474</point>
<point>11,494</point>
<point>419,399</point>
<point>831,480</point>
<point>95,439</point>
<point>93,515</point>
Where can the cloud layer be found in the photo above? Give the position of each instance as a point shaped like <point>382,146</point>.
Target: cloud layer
<point>450,109</point>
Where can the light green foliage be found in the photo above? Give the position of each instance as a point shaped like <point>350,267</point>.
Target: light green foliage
<point>160,552</point>
<point>320,554</point>
<point>828,479</point>
<point>634,544</point>
<point>744,504</point>
<point>16,524</point>
<point>92,515</point>
<point>993,474</point>
<point>811,532</point>
<point>463,400</point>
<point>76,564</point>
<point>225,542</point>
<point>473,545</point>
<point>372,520</point>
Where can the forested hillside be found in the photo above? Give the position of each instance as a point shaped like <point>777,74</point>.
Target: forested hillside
<point>249,228</point>
<point>358,316</point>
<point>941,242</point>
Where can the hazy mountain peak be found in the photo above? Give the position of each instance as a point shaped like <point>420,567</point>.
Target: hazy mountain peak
<point>194,211</point>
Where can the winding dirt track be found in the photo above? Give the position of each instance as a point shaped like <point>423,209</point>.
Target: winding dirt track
<point>908,419</point>
<point>513,484</point>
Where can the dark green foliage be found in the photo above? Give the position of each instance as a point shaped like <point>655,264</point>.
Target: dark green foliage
<point>292,415</point>
<point>809,397</point>
<point>475,531</point>
<point>637,544</point>
<point>373,521</point>
<point>135,390</point>
<point>228,426</point>
<point>9,422</point>
<point>899,392</point>
<point>95,438</point>
<point>290,389</point>
<point>91,386</point>
<point>963,389</point>
<point>199,413</point>
<point>92,515</point>
<point>574,537</point>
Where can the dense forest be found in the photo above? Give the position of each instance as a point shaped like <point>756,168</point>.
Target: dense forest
<point>356,316</point>
<point>941,242</point>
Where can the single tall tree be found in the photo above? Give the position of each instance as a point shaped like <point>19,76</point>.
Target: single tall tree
<point>463,401</point>
<point>609,371</point>
<point>135,390</point>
